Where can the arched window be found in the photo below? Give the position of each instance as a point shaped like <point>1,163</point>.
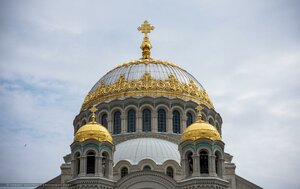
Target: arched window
<point>104,120</point>
<point>189,119</point>
<point>131,121</point>
<point>146,168</point>
<point>105,164</point>
<point>190,163</point>
<point>90,163</point>
<point>161,121</point>
<point>170,172</point>
<point>77,163</point>
<point>218,127</point>
<point>218,163</point>
<point>124,172</point>
<point>146,120</point>
<point>211,121</point>
<point>117,122</point>
<point>83,122</point>
<point>176,122</point>
<point>203,162</point>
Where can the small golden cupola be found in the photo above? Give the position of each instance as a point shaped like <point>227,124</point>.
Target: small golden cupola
<point>93,130</point>
<point>200,130</point>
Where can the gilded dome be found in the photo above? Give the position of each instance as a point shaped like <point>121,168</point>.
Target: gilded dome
<point>93,130</point>
<point>200,130</point>
<point>147,77</point>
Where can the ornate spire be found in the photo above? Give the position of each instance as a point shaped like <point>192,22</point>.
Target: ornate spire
<point>199,109</point>
<point>146,45</point>
<point>93,110</point>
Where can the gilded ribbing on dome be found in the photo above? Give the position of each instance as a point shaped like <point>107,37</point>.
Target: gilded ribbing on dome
<point>147,86</point>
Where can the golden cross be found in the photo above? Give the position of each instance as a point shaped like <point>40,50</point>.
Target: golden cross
<point>93,110</point>
<point>146,28</point>
<point>199,109</point>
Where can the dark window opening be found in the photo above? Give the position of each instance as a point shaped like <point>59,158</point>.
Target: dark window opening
<point>124,172</point>
<point>147,168</point>
<point>190,163</point>
<point>176,122</point>
<point>203,162</point>
<point>90,165</point>
<point>104,120</point>
<point>117,123</point>
<point>189,119</point>
<point>131,124</point>
<point>161,121</point>
<point>105,164</point>
<point>170,172</point>
<point>146,120</point>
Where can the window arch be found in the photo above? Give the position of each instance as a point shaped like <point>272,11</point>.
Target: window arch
<point>189,163</point>
<point>161,121</point>
<point>90,163</point>
<point>131,121</point>
<point>146,120</point>
<point>211,121</point>
<point>176,122</point>
<point>104,120</point>
<point>189,119</point>
<point>170,172</point>
<point>218,127</point>
<point>105,164</point>
<point>203,162</point>
<point>146,168</point>
<point>83,122</point>
<point>77,163</point>
<point>117,122</point>
<point>124,172</point>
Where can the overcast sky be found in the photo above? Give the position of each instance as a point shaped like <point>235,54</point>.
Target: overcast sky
<point>246,54</point>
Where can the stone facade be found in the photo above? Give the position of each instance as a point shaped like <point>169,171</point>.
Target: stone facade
<point>133,175</point>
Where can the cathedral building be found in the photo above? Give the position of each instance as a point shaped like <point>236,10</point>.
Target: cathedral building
<point>148,124</point>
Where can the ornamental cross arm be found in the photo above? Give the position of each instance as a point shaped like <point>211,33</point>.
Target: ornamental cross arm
<point>146,28</point>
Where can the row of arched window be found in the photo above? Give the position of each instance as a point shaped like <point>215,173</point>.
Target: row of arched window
<point>169,171</point>
<point>91,163</point>
<point>146,121</point>
<point>204,163</point>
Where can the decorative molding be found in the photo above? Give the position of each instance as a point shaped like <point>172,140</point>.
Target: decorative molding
<point>147,86</point>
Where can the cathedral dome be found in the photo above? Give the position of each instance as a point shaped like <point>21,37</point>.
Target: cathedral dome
<point>147,77</point>
<point>200,130</point>
<point>135,150</point>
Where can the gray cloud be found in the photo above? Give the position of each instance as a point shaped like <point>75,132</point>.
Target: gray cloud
<point>245,53</point>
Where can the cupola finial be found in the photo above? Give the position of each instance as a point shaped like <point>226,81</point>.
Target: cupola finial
<point>146,28</point>
<point>93,110</point>
<point>199,108</point>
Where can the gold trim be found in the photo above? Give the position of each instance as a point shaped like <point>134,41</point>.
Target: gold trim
<point>147,86</point>
<point>146,62</point>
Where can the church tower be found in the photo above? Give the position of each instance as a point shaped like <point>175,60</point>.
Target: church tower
<point>92,153</point>
<point>202,154</point>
